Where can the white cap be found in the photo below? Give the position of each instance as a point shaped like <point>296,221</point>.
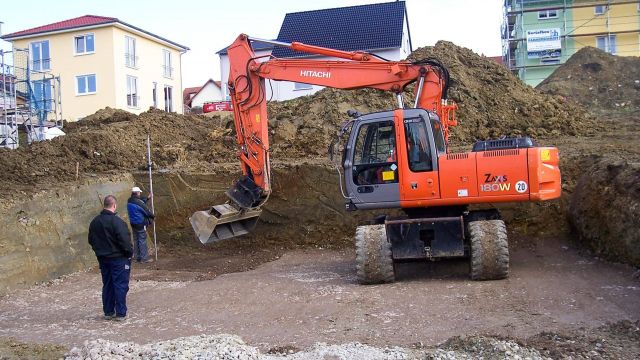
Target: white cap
<point>136,189</point>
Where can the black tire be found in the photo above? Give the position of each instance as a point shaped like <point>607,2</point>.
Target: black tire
<point>374,261</point>
<point>489,250</point>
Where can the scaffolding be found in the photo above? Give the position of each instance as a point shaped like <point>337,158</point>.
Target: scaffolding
<point>29,100</point>
<point>515,26</point>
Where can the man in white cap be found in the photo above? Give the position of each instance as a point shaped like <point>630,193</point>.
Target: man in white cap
<point>139,217</point>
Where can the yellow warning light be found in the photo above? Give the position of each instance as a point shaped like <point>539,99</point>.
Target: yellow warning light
<point>545,155</point>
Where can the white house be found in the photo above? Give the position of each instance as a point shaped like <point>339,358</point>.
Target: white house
<point>197,96</point>
<point>381,29</point>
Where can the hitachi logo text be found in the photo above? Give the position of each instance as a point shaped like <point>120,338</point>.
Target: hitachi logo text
<point>316,74</point>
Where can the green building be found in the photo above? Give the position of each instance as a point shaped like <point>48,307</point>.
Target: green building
<point>540,35</point>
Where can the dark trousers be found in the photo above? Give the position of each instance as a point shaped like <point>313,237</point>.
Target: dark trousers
<point>115,284</point>
<point>140,244</point>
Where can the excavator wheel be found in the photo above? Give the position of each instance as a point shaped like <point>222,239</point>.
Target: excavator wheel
<point>489,250</point>
<point>374,261</point>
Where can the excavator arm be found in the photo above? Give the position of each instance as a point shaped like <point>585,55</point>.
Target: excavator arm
<point>353,70</point>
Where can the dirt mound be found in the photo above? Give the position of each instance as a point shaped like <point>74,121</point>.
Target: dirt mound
<point>605,209</point>
<point>493,102</point>
<point>111,140</point>
<point>619,340</point>
<point>596,79</point>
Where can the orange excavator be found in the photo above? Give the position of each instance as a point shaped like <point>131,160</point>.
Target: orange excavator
<point>394,159</point>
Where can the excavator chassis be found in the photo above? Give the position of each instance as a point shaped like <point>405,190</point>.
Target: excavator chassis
<point>478,235</point>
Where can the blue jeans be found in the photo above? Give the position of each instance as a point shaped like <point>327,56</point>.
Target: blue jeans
<point>140,245</point>
<point>115,285</point>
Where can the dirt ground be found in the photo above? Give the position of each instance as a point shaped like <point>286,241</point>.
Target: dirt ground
<point>307,296</point>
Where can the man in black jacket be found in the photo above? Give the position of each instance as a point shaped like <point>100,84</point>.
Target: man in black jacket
<point>111,241</point>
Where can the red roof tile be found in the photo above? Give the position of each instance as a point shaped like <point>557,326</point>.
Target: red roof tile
<point>195,90</point>
<point>497,59</point>
<point>82,21</point>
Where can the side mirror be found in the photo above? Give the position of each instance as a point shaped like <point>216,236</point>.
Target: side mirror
<point>353,114</point>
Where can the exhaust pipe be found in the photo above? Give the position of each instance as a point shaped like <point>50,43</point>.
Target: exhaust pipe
<point>223,222</point>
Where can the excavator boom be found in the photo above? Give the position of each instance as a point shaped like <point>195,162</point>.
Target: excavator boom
<point>246,86</point>
<point>401,160</point>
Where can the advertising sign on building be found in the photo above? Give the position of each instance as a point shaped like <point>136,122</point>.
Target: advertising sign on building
<point>543,43</point>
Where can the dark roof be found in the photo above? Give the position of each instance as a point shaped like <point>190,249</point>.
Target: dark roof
<point>80,22</point>
<point>255,45</point>
<point>363,27</point>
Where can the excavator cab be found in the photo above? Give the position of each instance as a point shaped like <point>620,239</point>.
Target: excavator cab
<point>380,146</point>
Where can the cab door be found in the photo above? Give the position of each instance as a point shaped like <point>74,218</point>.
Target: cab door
<point>370,163</point>
<point>417,157</point>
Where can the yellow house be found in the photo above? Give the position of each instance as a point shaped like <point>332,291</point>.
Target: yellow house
<point>103,61</point>
<point>612,26</point>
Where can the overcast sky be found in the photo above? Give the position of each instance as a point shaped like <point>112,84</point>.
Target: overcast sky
<point>206,26</point>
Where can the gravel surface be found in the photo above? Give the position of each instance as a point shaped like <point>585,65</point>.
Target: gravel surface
<point>232,347</point>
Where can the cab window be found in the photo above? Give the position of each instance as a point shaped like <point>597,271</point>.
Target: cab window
<point>375,154</point>
<point>418,149</point>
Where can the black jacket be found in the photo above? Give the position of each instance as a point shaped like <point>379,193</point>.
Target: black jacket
<point>109,236</point>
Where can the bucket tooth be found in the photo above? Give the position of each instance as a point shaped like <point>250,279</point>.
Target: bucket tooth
<point>223,222</point>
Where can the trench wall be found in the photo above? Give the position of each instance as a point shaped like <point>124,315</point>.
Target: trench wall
<point>305,208</point>
<point>46,236</point>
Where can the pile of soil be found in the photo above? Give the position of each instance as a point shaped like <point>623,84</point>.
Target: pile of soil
<point>605,209</point>
<point>618,340</point>
<point>492,103</point>
<point>596,79</point>
<point>111,140</point>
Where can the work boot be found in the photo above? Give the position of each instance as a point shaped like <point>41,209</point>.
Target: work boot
<point>120,318</point>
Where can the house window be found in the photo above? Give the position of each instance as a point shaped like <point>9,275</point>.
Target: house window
<point>84,44</point>
<point>86,84</point>
<point>154,95</point>
<point>168,98</point>
<point>132,91</point>
<point>131,60</point>
<point>301,86</point>
<point>166,67</point>
<point>40,60</point>
<point>606,43</point>
<point>600,9</point>
<point>547,14</point>
<point>42,98</point>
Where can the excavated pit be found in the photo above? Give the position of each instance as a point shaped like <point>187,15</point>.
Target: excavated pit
<point>194,162</point>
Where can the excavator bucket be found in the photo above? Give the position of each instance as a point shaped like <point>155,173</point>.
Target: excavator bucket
<point>223,222</point>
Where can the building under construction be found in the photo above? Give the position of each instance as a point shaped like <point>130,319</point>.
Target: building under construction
<point>539,35</point>
<point>29,100</point>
